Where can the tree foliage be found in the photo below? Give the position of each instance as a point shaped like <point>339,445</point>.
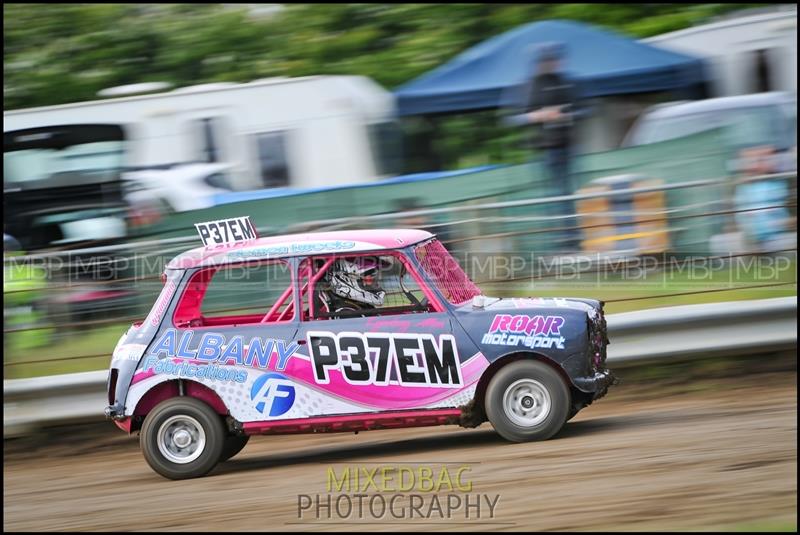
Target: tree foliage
<point>57,53</point>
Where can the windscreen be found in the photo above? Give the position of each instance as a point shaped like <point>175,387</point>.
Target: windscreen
<point>445,273</point>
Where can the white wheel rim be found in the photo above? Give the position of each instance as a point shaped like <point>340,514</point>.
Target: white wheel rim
<point>181,439</point>
<point>527,402</point>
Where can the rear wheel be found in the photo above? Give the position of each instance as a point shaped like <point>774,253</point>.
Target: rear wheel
<point>182,438</point>
<point>233,445</point>
<point>527,400</point>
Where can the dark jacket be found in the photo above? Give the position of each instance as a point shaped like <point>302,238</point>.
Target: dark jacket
<point>553,89</point>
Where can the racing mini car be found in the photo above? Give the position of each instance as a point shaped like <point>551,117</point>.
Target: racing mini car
<point>341,331</point>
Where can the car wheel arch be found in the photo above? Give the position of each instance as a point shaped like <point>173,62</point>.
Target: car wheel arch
<point>497,364</point>
<point>172,389</point>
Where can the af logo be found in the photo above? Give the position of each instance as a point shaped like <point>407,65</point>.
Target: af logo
<point>273,394</point>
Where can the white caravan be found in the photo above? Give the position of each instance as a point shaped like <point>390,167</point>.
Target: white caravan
<point>282,132</point>
<point>748,53</point>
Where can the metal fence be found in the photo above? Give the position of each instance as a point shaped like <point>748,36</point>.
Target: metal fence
<point>75,293</point>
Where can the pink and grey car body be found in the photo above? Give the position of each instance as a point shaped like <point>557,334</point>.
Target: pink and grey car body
<point>308,374</point>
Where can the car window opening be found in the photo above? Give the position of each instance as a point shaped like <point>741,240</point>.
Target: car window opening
<point>258,293</point>
<point>361,286</point>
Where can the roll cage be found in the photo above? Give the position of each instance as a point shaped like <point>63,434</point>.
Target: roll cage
<point>306,273</point>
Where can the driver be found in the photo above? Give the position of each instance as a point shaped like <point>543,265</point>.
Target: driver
<point>352,284</point>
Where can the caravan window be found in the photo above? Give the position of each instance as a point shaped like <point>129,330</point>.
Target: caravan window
<point>209,135</point>
<point>272,159</point>
<point>209,151</point>
<point>386,144</point>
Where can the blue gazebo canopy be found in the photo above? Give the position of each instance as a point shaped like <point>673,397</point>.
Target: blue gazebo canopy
<point>490,74</point>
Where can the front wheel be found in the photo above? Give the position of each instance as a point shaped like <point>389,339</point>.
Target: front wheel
<point>573,412</point>
<point>527,400</point>
<point>182,438</point>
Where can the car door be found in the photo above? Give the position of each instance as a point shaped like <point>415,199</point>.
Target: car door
<point>238,324</point>
<point>401,355</point>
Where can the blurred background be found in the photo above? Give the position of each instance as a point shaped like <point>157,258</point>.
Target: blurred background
<point>126,124</point>
<point>641,154</point>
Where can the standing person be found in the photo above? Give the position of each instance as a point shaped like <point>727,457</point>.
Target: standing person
<point>552,106</point>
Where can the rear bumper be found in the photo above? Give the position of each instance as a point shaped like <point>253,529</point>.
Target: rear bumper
<point>124,424</point>
<point>115,412</point>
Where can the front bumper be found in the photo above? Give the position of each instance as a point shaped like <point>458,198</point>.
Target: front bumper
<point>597,384</point>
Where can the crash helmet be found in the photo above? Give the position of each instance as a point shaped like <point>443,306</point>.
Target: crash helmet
<point>356,279</point>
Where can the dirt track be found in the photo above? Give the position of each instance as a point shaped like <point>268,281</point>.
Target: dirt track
<point>712,458</point>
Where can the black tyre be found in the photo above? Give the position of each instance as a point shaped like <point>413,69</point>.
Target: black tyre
<point>573,411</point>
<point>527,400</point>
<point>233,445</point>
<point>182,438</point>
